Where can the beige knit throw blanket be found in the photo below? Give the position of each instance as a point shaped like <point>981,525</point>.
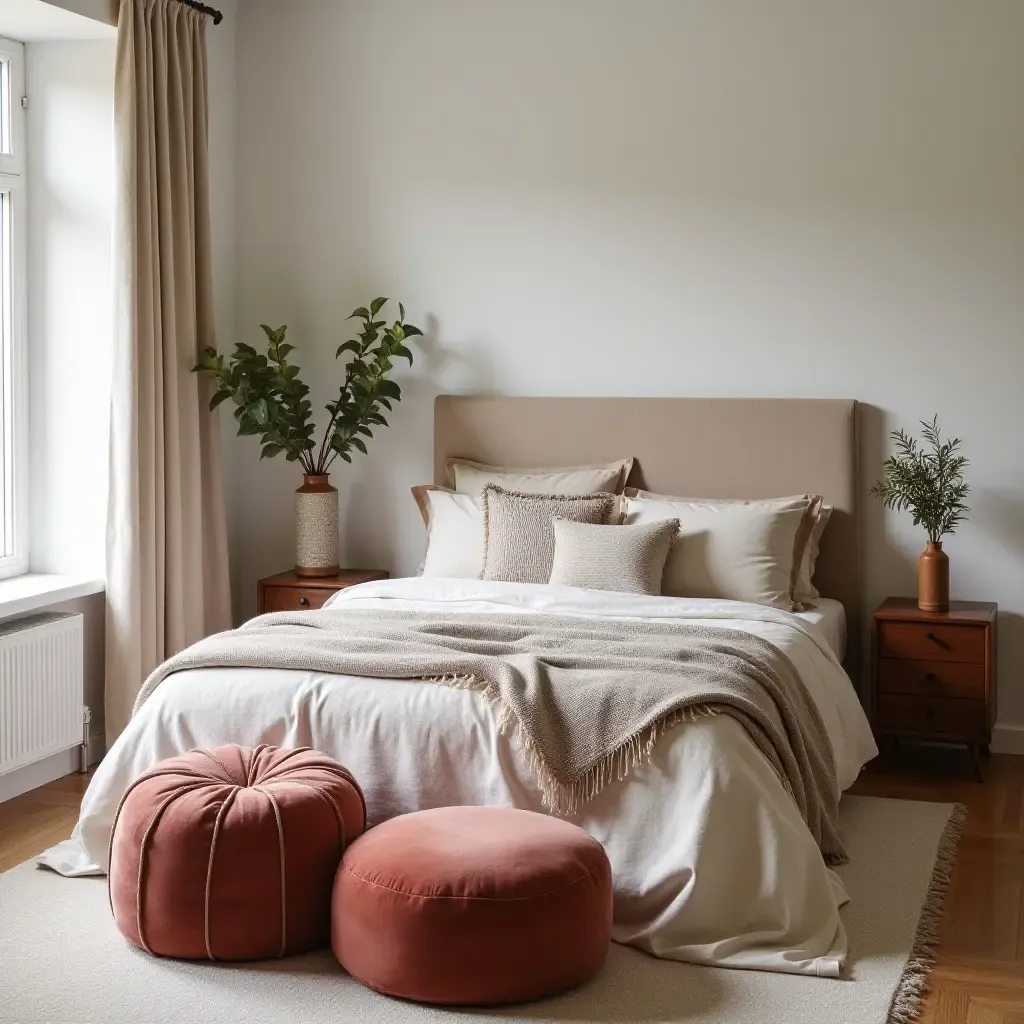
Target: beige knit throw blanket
<point>587,698</point>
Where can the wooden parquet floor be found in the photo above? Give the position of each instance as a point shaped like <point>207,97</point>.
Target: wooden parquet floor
<point>38,820</point>
<point>979,977</point>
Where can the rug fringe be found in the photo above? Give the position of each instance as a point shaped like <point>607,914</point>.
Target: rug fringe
<point>914,982</point>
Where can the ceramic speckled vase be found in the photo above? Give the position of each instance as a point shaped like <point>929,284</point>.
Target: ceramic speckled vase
<point>933,579</point>
<point>316,527</point>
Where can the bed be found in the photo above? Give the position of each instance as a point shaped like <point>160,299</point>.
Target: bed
<point>712,861</point>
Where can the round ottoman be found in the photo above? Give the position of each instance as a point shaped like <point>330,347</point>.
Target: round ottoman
<point>230,854</point>
<point>472,905</point>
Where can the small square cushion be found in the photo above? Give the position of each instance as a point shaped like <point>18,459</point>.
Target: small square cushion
<point>627,559</point>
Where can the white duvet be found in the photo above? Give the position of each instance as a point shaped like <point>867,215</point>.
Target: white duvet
<point>711,860</point>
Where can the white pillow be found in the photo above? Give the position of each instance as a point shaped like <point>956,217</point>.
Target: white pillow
<point>805,595</point>
<point>739,552</point>
<point>472,478</point>
<point>455,533</point>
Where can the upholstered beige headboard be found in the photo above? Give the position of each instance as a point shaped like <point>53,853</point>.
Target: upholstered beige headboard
<point>697,447</point>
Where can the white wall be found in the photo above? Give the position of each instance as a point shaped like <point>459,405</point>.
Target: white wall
<point>71,181</point>
<point>97,10</point>
<point>721,197</point>
<point>36,21</point>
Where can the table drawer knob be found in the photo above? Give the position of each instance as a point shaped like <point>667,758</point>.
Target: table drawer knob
<point>930,636</point>
<point>304,601</point>
<point>931,677</point>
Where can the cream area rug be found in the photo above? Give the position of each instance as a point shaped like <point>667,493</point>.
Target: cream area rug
<point>62,960</point>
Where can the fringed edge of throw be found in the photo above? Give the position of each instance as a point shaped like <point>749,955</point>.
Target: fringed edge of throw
<point>914,982</point>
<point>635,750</point>
<point>568,798</point>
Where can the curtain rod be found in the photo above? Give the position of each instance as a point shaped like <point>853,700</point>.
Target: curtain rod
<point>217,16</point>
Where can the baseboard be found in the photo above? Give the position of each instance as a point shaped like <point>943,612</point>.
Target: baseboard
<point>38,773</point>
<point>49,769</point>
<point>97,747</point>
<point>1008,738</point>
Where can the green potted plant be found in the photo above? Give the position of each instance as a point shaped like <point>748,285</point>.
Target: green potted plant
<point>927,480</point>
<point>271,402</point>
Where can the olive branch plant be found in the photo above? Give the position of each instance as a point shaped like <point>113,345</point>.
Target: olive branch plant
<point>926,480</point>
<point>272,401</point>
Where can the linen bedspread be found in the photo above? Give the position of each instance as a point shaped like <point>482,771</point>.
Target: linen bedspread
<point>712,860</point>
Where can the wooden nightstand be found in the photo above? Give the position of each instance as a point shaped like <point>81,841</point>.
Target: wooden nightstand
<point>288,592</point>
<point>934,673</point>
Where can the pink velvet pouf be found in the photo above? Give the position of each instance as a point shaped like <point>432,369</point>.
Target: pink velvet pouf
<point>230,854</point>
<point>473,905</point>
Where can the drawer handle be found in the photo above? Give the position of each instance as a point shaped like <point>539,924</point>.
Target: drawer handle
<point>931,636</point>
<point>931,677</point>
<point>304,601</point>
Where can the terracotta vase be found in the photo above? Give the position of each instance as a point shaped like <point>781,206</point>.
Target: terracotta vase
<point>316,527</point>
<point>933,579</point>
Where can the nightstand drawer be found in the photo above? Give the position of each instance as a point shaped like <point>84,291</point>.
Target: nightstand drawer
<point>295,599</point>
<point>290,592</point>
<point>921,641</point>
<point>933,716</point>
<point>932,678</point>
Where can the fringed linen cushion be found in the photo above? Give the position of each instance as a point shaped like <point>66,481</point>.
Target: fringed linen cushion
<point>519,536</point>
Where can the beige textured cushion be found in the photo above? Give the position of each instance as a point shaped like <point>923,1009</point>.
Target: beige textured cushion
<point>519,538</point>
<point>741,552</point>
<point>472,477</point>
<point>629,559</point>
<point>807,541</point>
<point>455,533</point>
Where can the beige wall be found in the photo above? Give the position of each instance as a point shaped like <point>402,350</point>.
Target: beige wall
<point>720,197</point>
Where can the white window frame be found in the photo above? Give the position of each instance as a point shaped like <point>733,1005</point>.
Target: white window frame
<point>13,184</point>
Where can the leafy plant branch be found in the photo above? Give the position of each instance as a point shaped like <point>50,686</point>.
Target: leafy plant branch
<point>272,402</point>
<point>926,480</point>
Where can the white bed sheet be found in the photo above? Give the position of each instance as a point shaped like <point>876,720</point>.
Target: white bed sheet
<point>829,618</point>
<point>711,860</point>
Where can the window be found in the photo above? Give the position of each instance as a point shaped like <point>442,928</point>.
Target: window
<point>13,389</point>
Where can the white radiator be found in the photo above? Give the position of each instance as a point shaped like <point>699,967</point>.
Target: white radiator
<point>41,688</point>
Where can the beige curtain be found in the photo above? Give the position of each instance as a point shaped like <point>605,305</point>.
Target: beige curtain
<point>167,563</point>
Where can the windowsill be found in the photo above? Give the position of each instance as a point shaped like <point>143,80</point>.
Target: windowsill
<point>33,591</point>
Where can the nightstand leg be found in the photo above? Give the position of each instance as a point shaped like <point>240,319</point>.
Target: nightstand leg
<point>975,749</point>
<point>985,752</point>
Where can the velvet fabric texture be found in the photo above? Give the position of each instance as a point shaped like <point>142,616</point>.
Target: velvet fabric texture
<point>230,854</point>
<point>473,905</point>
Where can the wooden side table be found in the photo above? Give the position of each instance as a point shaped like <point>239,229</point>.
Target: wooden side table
<point>934,673</point>
<point>288,592</point>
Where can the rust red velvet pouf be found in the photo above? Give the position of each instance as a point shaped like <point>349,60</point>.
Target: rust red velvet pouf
<point>472,905</point>
<point>230,854</point>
